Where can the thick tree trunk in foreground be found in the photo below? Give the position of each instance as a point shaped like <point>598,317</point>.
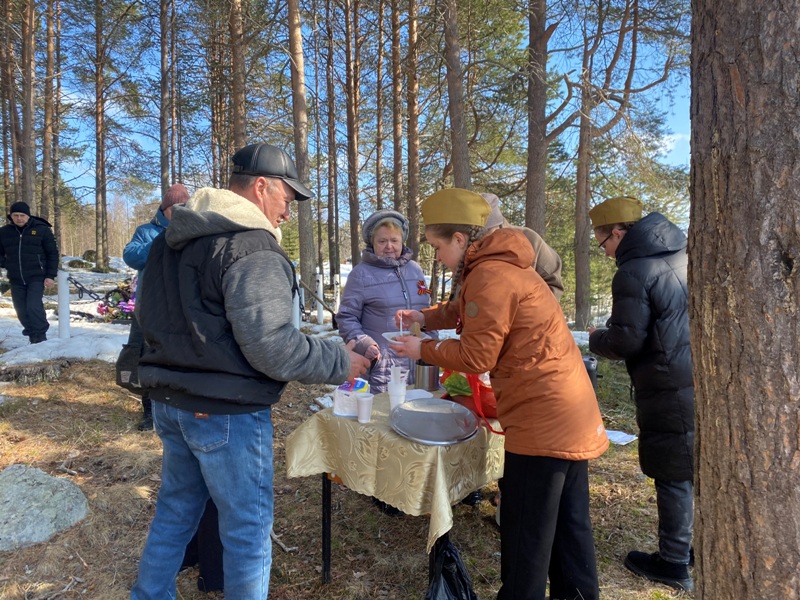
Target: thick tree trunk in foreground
<point>744,249</point>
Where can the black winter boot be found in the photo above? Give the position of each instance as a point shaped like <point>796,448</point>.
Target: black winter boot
<point>655,568</point>
<point>146,424</point>
<point>473,499</point>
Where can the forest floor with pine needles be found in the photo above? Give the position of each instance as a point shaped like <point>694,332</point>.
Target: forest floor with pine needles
<point>81,426</point>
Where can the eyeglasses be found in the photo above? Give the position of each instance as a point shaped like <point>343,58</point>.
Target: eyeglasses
<point>603,243</point>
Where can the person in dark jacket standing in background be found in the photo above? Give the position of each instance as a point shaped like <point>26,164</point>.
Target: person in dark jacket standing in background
<point>649,330</point>
<point>216,311</point>
<point>135,256</point>
<point>29,253</point>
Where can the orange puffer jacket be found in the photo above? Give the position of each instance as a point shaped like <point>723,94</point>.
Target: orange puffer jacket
<point>511,325</point>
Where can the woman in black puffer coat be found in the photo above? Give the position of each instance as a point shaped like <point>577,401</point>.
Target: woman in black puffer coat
<point>649,330</point>
<point>29,254</point>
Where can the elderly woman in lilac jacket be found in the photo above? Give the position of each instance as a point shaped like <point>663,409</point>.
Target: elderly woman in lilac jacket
<point>384,281</point>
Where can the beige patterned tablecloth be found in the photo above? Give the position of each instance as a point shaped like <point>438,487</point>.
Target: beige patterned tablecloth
<point>372,459</point>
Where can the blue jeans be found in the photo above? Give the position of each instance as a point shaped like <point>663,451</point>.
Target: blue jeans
<point>227,458</point>
<point>675,501</point>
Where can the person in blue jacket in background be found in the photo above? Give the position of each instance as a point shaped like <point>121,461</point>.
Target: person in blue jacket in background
<point>135,256</point>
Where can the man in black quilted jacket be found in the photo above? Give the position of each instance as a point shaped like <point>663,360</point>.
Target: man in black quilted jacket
<point>29,253</point>
<point>649,330</point>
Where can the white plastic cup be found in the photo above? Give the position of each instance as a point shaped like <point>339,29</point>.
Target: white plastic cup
<point>364,401</point>
<point>397,394</point>
<point>396,400</point>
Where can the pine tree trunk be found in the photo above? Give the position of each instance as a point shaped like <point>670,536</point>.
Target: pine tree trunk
<point>238,70</point>
<point>5,107</point>
<point>413,129</point>
<point>163,118</point>
<point>744,256</point>
<point>10,85</point>
<point>28,68</point>
<point>101,231</point>
<point>458,124</point>
<point>333,198</point>
<point>55,175</point>
<point>175,162</point>
<point>583,229</point>
<point>46,204</point>
<point>397,111</point>
<point>352,92</point>
<point>535,200</point>
<point>379,112</point>
<point>300,114</point>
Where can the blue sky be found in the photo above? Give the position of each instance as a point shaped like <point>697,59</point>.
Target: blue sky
<point>678,120</point>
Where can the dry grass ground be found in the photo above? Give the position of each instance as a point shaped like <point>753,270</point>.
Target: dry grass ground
<point>82,427</point>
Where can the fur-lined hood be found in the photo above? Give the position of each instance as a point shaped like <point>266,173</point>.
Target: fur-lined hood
<point>211,211</point>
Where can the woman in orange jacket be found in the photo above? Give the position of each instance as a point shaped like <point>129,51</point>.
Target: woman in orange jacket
<point>511,325</point>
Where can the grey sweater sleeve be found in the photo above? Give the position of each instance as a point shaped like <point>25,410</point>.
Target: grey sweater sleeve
<point>258,303</point>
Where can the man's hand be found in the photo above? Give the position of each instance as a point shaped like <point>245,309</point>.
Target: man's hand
<point>48,283</point>
<point>358,364</point>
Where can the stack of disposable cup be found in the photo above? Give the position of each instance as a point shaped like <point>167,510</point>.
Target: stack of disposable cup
<point>396,388</point>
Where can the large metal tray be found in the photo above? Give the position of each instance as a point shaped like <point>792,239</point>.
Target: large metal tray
<point>434,422</point>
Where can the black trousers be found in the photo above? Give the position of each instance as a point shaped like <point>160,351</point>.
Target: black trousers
<point>136,337</point>
<point>545,529</point>
<point>205,551</point>
<point>27,299</point>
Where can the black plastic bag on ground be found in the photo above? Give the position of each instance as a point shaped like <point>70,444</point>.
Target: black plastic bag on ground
<point>449,577</point>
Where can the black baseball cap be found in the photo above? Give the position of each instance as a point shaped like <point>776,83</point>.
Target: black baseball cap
<point>265,160</point>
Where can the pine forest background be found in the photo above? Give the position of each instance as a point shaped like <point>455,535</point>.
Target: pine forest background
<point>552,105</point>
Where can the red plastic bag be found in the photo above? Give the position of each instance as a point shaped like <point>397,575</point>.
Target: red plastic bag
<point>482,401</point>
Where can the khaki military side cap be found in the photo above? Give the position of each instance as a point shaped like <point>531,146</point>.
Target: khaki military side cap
<point>455,206</point>
<point>621,209</point>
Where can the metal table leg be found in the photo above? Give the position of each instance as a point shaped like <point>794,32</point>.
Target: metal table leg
<point>326,528</point>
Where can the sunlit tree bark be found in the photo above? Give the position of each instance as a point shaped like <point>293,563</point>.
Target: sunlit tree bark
<point>333,197</point>
<point>300,114</point>
<point>379,112</point>
<point>353,94</point>
<point>164,100</point>
<point>101,230</point>
<point>46,205</point>
<point>238,68</point>
<point>28,68</point>
<point>744,293</point>
<point>55,176</point>
<point>397,109</point>
<point>413,128</point>
<point>458,124</point>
